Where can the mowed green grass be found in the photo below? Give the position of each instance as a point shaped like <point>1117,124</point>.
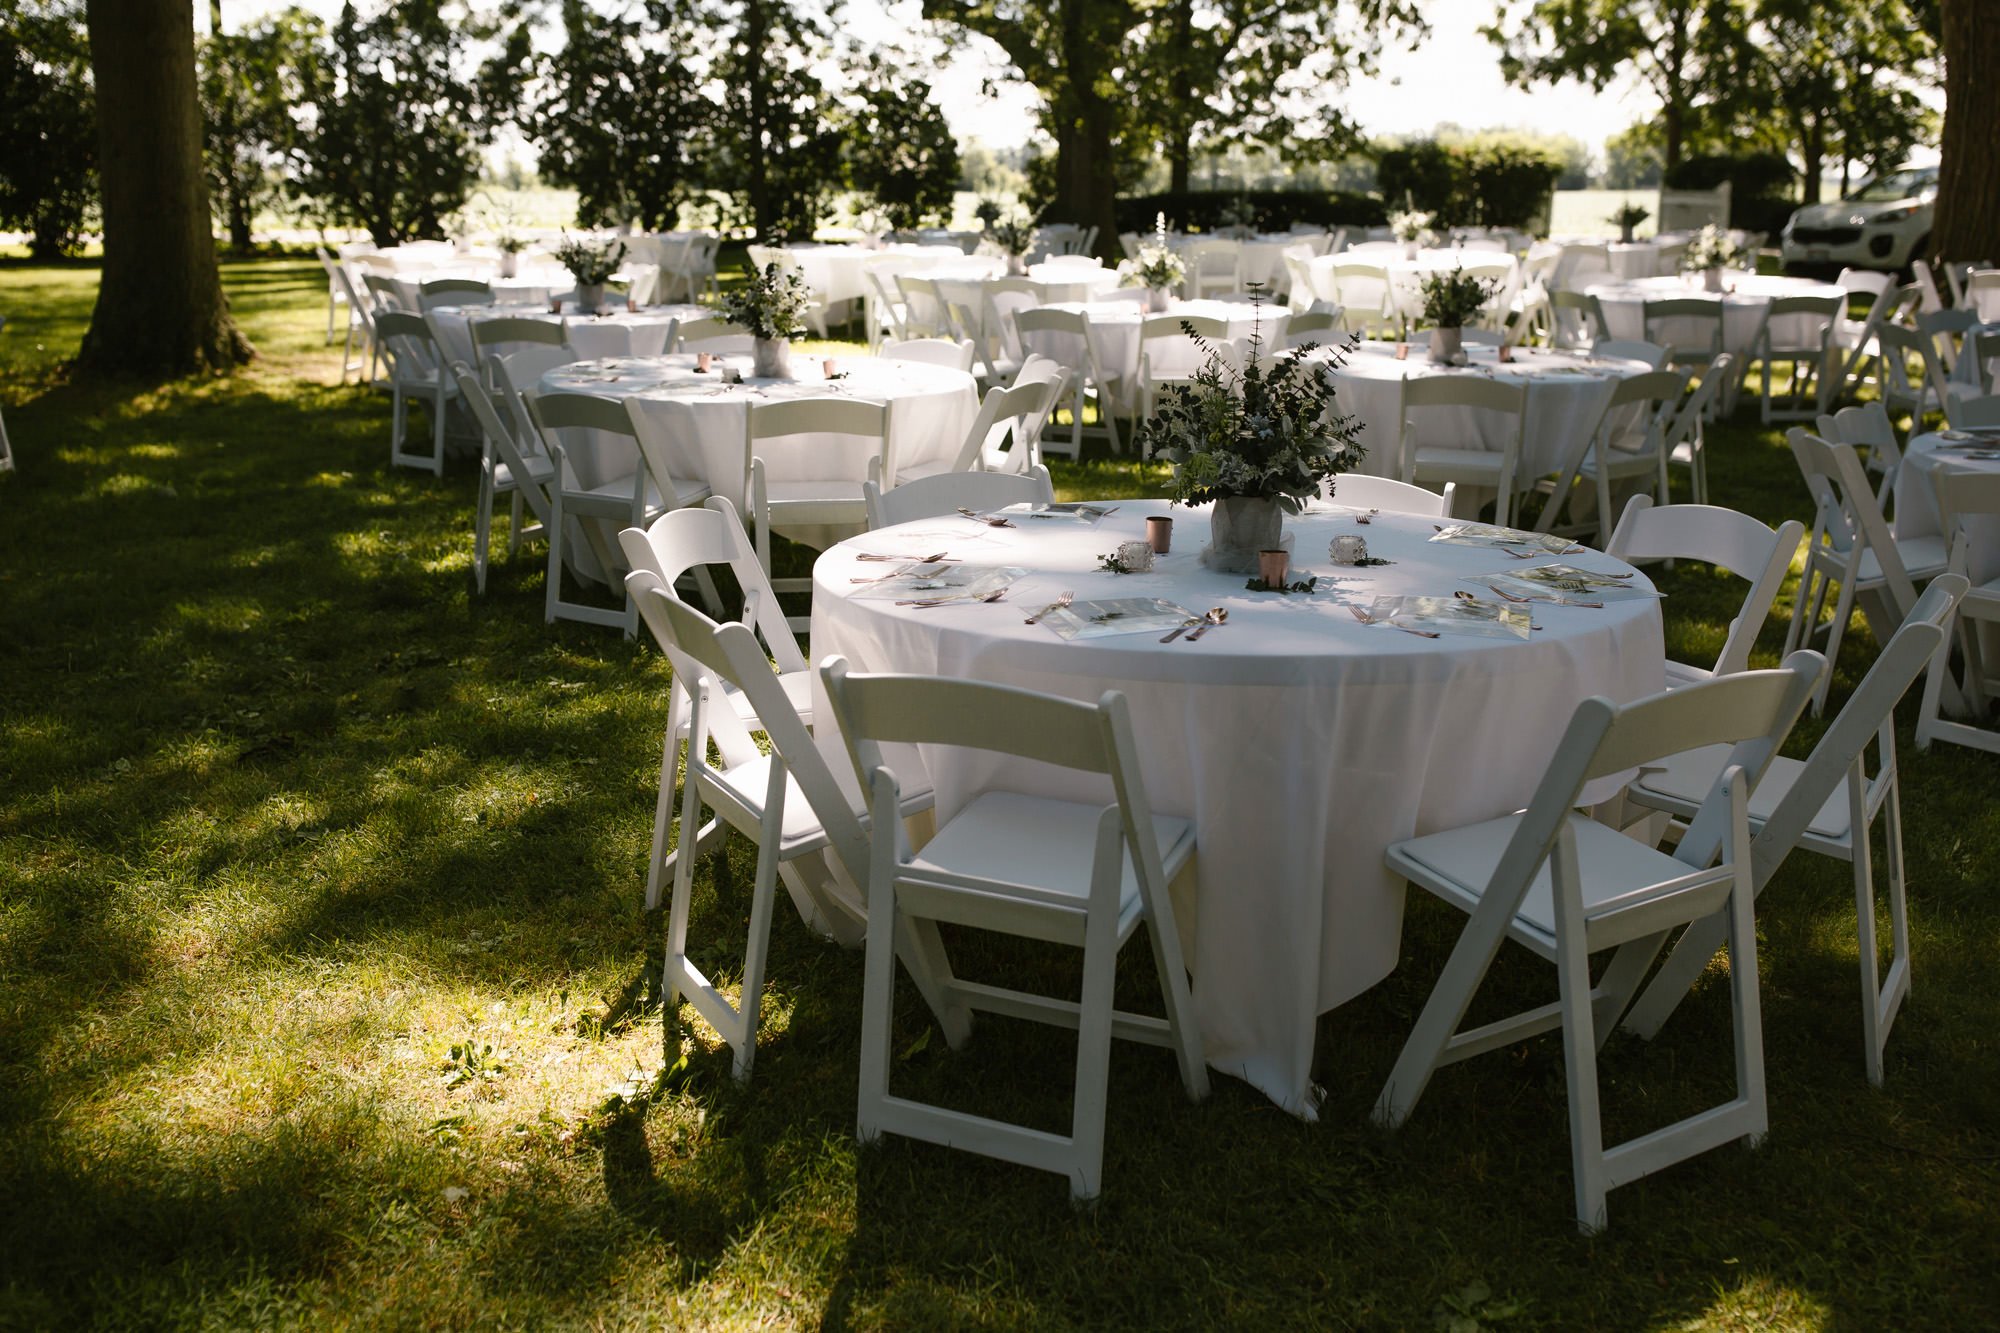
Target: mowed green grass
<point>327,997</point>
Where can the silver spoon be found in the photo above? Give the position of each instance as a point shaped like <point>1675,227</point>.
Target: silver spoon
<point>1216,615</point>
<point>991,521</point>
<point>1181,629</point>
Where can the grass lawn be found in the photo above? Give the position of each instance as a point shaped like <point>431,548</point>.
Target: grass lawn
<point>327,997</point>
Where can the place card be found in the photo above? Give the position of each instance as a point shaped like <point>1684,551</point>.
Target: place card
<point>1125,615</point>
<point>1454,615</point>
<point>1487,534</point>
<point>1543,580</point>
<point>1072,511</point>
<point>940,581</point>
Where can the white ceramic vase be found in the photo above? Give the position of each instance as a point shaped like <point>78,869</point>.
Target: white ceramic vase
<point>771,358</point>
<point>1238,529</point>
<point>1445,345</point>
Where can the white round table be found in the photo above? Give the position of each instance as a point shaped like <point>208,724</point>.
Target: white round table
<point>840,272</point>
<point>1114,334</point>
<point>1262,255</point>
<point>1930,463</point>
<point>618,332</point>
<point>1406,273</point>
<point>1567,401</point>
<point>1301,742</point>
<point>1744,298</point>
<point>698,422</point>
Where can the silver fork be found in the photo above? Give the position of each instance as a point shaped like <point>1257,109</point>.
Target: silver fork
<point>1552,601</point>
<point>1367,617</point>
<point>1062,600</point>
<point>991,521</point>
<point>993,596</point>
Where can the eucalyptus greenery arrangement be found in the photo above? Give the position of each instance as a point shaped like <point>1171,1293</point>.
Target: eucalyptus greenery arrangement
<point>1237,212</point>
<point>591,263</point>
<point>1711,248</point>
<point>772,304</point>
<point>1628,217</point>
<point>1156,265</point>
<point>1409,224</point>
<point>1453,300</point>
<point>1266,432</point>
<point>1012,235</point>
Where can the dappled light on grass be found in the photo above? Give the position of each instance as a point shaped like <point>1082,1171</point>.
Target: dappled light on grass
<point>326,996</point>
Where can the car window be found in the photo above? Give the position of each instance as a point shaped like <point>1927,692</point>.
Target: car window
<point>1896,185</point>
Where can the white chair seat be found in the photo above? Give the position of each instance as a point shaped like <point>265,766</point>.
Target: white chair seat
<point>1034,840</point>
<point>1468,465</point>
<point>686,492</point>
<point>1685,779</point>
<point>1458,863</point>
<point>540,468</point>
<point>1922,557</point>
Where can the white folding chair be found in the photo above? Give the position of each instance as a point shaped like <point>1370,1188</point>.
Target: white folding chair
<point>1827,803</point>
<point>1085,875</point>
<point>1213,268</point>
<point>951,353</point>
<point>886,314</point>
<point>1867,427</point>
<point>1982,293</point>
<point>1040,370</point>
<point>1964,500</point>
<point>1064,336</point>
<point>1577,321</point>
<point>947,492</point>
<point>452,291</point>
<point>1687,436</point>
<point>1467,464</point>
<point>632,498</point>
<point>1851,545</point>
<point>999,440</point>
<point>713,335</point>
<point>417,373</point>
<point>512,463</point>
<point>1357,490</point>
<point>1320,326</point>
<point>1564,887</point>
<point>1360,286</point>
<point>7,449</point>
<point>1696,323</point>
<point>787,801</point>
<point>1628,444</point>
<point>1169,354</point>
<point>1630,349</point>
<point>831,499</point>
<point>1725,539</point>
<point>1799,330</point>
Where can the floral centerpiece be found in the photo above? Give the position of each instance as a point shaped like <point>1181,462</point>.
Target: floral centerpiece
<point>1156,268</point>
<point>1237,217</point>
<point>591,263</point>
<point>1256,442</point>
<point>1709,252</point>
<point>772,306</point>
<point>1012,235</point>
<point>1451,301</point>
<point>1410,226</point>
<point>1627,217</point>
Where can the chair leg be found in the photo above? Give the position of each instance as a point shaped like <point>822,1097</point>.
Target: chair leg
<point>516,514</point>
<point>437,429</point>
<point>482,526</point>
<point>552,596</point>
<point>877,1014</point>
<point>1881,996</point>
<point>1093,1052</point>
<point>758,949</point>
<point>1586,1127</point>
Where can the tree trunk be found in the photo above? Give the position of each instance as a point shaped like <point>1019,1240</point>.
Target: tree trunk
<point>1086,183</point>
<point>1968,200</point>
<point>1181,101</point>
<point>756,35</point>
<point>160,308</point>
<point>1812,156</point>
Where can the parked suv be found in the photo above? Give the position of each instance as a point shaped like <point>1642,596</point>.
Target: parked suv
<point>1884,224</point>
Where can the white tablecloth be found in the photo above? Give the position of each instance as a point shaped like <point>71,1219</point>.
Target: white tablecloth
<point>1570,391</point>
<point>702,420</point>
<point>841,271</point>
<point>1406,273</point>
<point>1742,309</point>
<point>531,284</point>
<point>618,333</point>
<point>1925,471</point>
<point>1114,333</point>
<point>1263,256</point>
<point>1301,742</point>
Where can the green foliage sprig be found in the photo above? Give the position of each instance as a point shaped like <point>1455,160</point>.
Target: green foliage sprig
<point>1306,584</point>
<point>591,263</point>
<point>1453,300</point>
<point>1629,215</point>
<point>1012,233</point>
<point>771,305</point>
<point>1266,432</point>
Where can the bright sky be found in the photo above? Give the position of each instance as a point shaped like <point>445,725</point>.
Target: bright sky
<point>1454,76</point>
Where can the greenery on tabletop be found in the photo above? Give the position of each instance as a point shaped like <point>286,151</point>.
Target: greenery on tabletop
<point>1453,299</point>
<point>1711,248</point>
<point>591,263</point>
<point>1013,233</point>
<point>1629,215</point>
<point>1113,563</point>
<point>1306,584</point>
<point>1268,432</point>
<point>1156,264</point>
<point>772,304</point>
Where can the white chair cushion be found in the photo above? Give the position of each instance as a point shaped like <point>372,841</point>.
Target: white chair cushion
<point>539,468</point>
<point>1469,465</point>
<point>1922,557</point>
<point>1050,844</point>
<point>1458,863</point>
<point>1685,779</point>
<point>686,492</point>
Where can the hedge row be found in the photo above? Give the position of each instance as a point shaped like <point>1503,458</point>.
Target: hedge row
<point>1276,210</point>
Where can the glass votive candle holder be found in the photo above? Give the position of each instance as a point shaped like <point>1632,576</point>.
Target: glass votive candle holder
<point>1137,557</point>
<point>1347,549</point>
<point>1160,533</point>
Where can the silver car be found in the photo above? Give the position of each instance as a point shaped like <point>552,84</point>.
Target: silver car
<point>1884,224</point>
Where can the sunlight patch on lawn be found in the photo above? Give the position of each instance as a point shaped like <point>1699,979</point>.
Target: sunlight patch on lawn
<point>1760,1301</point>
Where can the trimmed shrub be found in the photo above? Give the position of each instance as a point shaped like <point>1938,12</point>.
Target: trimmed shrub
<point>1202,210</point>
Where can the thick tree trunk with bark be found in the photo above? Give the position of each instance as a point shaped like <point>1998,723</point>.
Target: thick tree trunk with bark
<point>1968,200</point>
<point>160,308</point>
<point>1086,182</point>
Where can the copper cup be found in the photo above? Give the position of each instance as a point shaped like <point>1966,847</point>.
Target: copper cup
<point>1160,533</point>
<point>1506,352</point>
<point>555,306</point>
<point>1402,351</point>
<point>1272,567</point>
<point>702,362</point>
<point>828,368</point>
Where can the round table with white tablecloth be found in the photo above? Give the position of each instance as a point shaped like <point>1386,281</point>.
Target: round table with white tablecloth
<point>1568,399</point>
<point>1744,299</point>
<point>616,332</point>
<point>840,272</point>
<point>1300,741</point>
<point>699,421</point>
<point>1261,257</point>
<point>1930,462</point>
<point>1115,326</point>
<point>1407,272</point>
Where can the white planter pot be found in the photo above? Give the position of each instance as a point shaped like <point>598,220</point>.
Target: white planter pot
<point>1445,346</point>
<point>1711,278</point>
<point>1238,529</point>
<point>510,263</point>
<point>771,358</point>
<point>589,297</point>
